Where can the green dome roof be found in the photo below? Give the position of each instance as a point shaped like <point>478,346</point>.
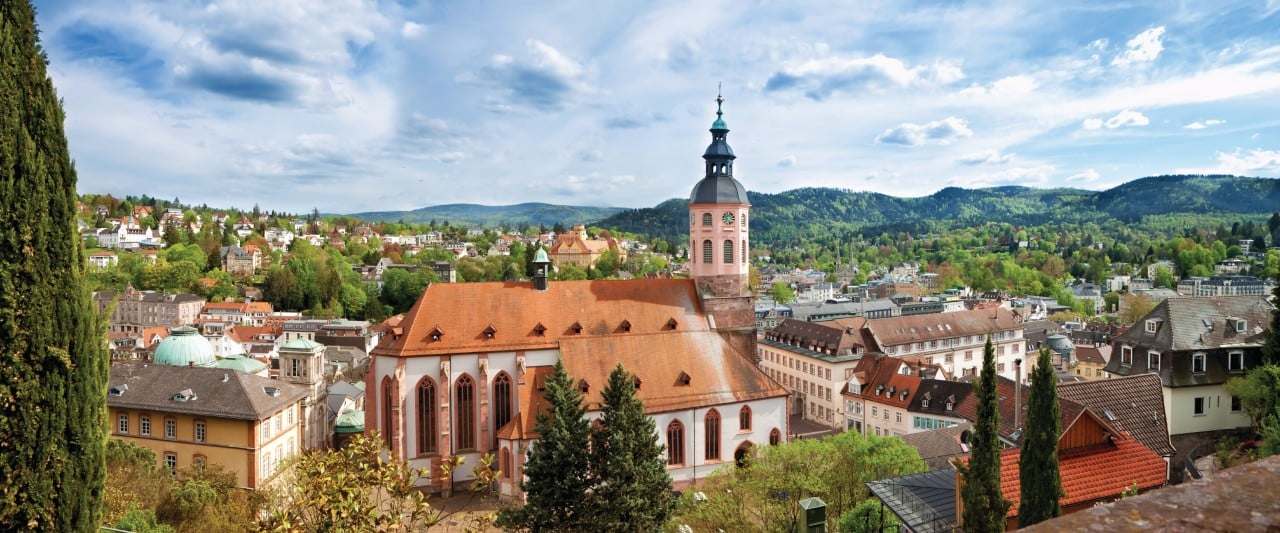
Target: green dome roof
<point>185,347</point>
<point>541,256</point>
<point>349,422</point>
<point>301,344</point>
<point>243,364</point>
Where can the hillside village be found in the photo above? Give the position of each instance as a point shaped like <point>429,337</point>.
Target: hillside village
<point>216,332</point>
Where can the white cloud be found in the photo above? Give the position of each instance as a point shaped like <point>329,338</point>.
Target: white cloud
<point>1253,162</point>
<point>943,131</point>
<point>544,79</point>
<point>1087,176</point>
<point>1026,176</point>
<point>787,162</point>
<point>1124,118</point>
<point>1141,49</point>
<point>1008,86</point>
<point>820,78</point>
<point>1202,125</point>
<point>412,30</point>
<point>986,157</point>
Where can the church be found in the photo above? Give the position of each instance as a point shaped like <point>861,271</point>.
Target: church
<point>464,373</point>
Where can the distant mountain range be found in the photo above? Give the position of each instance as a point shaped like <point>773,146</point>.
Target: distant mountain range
<point>492,215</point>
<point>797,214</point>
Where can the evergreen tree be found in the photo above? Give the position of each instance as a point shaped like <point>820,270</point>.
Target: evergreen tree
<point>1041,481</point>
<point>558,467</point>
<point>1271,346</point>
<point>984,503</point>
<point>53,359</point>
<point>633,491</point>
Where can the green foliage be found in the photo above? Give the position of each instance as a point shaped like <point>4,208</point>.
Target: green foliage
<point>558,468</point>
<point>569,272</point>
<point>765,494</point>
<point>493,216</point>
<point>1271,345</point>
<point>633,490</point>
<point>869,516</point>
<point>782,293</point>
<point>1040,478</point>
<point>53,357</point>
<point>1258,391</point>
<point>356,488</point>
<point>141,521</point>
<point>984,503</point>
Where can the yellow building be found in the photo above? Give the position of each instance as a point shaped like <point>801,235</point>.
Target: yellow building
<point>574,248</point>
<point>191,414</point>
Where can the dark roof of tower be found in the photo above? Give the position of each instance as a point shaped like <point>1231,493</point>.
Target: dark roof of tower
<point>718,190</point>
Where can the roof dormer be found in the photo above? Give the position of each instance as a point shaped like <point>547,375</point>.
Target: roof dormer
<point>683,379</point>
<point>671,324</point>
<point>540,330</point>
<point>575,329</point>
<point>490,332</point>
<point>625,326</point>
<point>436,334</point>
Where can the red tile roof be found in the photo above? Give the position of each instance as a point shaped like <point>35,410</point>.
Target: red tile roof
<point>461,312</point>
<point>1091,473</point>
<point>1005,391</point>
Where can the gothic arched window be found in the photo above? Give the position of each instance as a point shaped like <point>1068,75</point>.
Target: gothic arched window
<point>388,402</point>
<point>501,401</point>
<point>426,410</point>
<point>744,419</point>
<point>712,429</point>
<point>465,407</point>
<point>675,443</point>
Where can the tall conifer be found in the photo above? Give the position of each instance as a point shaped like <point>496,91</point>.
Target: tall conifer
<point>984,503</point>
<point>633,491</point>
<point>1039,477</point>
<point>53,359</point>
<point>558,469</point>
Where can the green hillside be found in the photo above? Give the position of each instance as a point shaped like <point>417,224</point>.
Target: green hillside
<point>493,215</point>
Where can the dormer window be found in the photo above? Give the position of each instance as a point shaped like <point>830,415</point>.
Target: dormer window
<point>671,324</point>
<point>540,330</point>
<point>683,379</point>
<point>436,334</point>
<point>625,326</point>
<point>118,390</point>
<point>1197,363</point>
<point>924,402</point>
<point>184,395</point>
<point>489,332</point>
<point>636,381</point>
<point>1153,325</point>
<point>1241,325</point>
<point>576,328</point>
<point>951,406</point>
<point>583,386</point>
<point>1153,360</point>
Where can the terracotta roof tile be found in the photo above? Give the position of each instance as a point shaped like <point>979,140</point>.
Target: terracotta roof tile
<point>1005,390</point>
<point>461,312</point>
<point>905,329</point>
<point>1091,473</point>
<point>1136,403</point>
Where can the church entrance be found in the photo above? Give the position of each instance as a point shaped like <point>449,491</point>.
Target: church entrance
<point>743,454</point>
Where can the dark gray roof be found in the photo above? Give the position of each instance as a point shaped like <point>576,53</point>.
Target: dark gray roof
<point>807,311</point>
<point>939,392</point>
<point>923,502</point>
<point>1201,323</point>
<point>1133,404</point>
<point>218,393</point>
<point>938,446</point>
<point>719,190</point>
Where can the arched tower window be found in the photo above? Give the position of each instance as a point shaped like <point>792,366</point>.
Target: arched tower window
<point>504,464</point>
<point>501,402</point>
<point>706,251</point>
<point>744,419</point>
<point>711,427</point>
<point>706,219</point>
<point>426,410</point>
<point>675,443</point>
<point>465,407</point>
<point>728,251</point>
<point>388,420</point>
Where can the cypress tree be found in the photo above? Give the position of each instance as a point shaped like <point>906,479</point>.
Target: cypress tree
<point>559,464</point>
<point>984,503</point>
<point>1041,482</point>
<point>53,359</point>
<point>633,491</point>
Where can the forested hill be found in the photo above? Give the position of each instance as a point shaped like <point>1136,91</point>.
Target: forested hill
<point>795,215</point>
<point>492,215</point>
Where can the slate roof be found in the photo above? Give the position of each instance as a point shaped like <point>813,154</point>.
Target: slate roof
<point>924,502</point>
<point>1099,472</point>
<point>827,337</point>
<point>1187,325</point>
<point>939,392</point>
<point>900,330</point>
<point>938,446</point>
<point>461,312</point>
<point>1133,404</point>
<point>241,396</point>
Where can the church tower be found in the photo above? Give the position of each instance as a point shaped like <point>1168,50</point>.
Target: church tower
<point>719,241</point>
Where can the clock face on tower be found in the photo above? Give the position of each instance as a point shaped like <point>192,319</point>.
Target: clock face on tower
<point>727,218</point>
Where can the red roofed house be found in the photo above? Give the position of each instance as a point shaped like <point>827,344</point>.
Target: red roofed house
<point>574,248</point>
<point>463,373</point>
<point>1097,463</point>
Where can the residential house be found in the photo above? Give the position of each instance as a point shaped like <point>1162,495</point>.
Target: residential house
<point>954,341</point>
<point>241,262</point>
<point>1091,361</point>
<point>575,248</point>
<point>1195,345</point>
<point>1133,404</point>
<point>236,313</point>
<point>102,259</point>
<point>1224,286</point>
<point>890,396</point>
<point>813,361</point>
<point>137,310</point>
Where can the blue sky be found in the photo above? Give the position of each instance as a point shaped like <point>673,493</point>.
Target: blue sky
<point>350,105</point>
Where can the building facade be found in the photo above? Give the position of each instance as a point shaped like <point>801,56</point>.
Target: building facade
<point>137,310</point>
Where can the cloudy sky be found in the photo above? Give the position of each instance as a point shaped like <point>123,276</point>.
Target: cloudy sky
<point>350,105</point>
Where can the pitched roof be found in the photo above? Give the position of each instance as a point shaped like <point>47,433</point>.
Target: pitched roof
<point>925,502</point>
<point>515,310</point>
<point>1091,473</point>
<point>1005,391</point>
<point>218,393</point>
<point>1202,323</point>
<point>938,446</point>
<point>532,401</point>
<point>906,329</point>
<point>1090,354</point>
<point>717,373</point>
<point>1133,404</point>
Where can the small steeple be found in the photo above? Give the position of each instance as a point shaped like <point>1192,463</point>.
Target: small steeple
<point>719,157</point>
<point>719,123</point>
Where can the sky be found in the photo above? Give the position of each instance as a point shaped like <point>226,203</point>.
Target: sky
<point>349,105</point>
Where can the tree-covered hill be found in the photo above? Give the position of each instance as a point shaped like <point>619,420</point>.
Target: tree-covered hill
<point>793,216</point>
<point>493,215</point>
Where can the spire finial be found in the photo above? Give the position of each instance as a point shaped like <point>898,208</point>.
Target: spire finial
<point>719,97</point>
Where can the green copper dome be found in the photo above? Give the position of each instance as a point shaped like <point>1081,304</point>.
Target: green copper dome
<point>301,345</point>
<point>185,347</point>
<point>541,256</point>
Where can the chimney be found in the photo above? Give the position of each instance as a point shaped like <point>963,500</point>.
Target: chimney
<point>1017,394</point>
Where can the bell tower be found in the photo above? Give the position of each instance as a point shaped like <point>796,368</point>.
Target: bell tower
<point>719,239</point>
